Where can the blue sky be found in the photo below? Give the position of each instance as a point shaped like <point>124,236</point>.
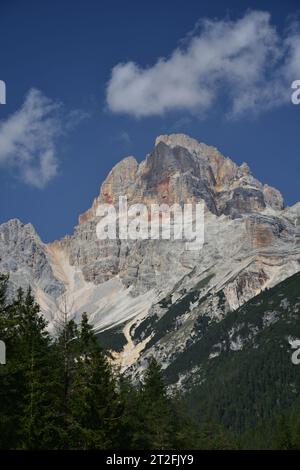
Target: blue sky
<point>59,140</point>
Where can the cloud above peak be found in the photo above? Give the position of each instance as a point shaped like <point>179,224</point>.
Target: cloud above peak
<point>246,63</point>
<point>29,137</point>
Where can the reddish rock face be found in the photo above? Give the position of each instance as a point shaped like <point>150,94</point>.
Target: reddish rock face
<point>262,235</point>
<point>182,170</point>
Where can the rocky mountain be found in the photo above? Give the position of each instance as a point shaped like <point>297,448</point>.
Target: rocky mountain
<point>155,297</point>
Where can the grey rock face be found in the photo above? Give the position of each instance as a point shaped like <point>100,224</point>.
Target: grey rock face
<point>23,256</point>
<point>251,242</point>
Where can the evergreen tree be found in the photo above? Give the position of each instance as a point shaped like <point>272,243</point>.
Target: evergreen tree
<point>129,419</point>
<point>10,381</point>
<point>155,430</point>
<point>34,347</point>
<point>95,405</point>
<point>65,352</point>
<point>25,398</point>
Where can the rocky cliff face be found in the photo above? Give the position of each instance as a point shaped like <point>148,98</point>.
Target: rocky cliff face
<point>24,257</point>
<point>153,293</point>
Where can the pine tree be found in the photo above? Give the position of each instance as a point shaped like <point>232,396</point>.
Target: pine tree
<point>65,352</point>
<point>10,382</point>
<point>131,420</point>
<point>95,405</point>
<point>34,366</point>
<point>25,394</point>
<point>156,421</point>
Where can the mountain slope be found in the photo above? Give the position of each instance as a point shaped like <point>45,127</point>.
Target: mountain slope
<point>241,372</point>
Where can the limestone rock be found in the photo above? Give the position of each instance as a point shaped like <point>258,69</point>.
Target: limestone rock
<point>251,243</point>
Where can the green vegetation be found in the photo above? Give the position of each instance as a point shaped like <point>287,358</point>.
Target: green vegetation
<point>113,338</point>
<point>251,380</point>
<point>63,392</point>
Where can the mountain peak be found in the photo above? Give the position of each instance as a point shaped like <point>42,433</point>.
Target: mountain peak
<point>178,140</point>
<point>181,169</point>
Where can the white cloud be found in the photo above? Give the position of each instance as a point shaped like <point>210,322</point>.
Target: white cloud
<point>246,62</point>
<point>28,138</point>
